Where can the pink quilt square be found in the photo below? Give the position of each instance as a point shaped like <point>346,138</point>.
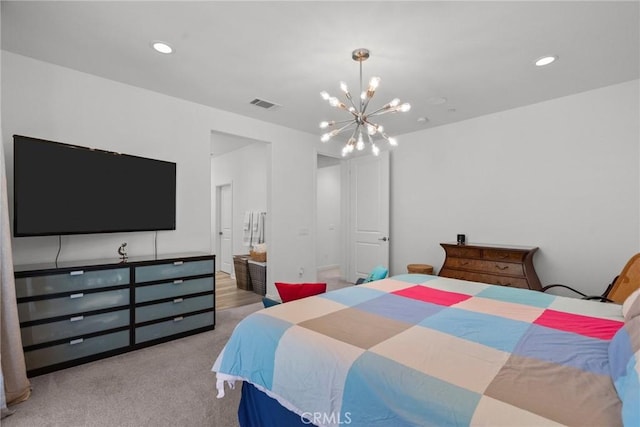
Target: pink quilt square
<point>434,296</point>
<point>584,325</point>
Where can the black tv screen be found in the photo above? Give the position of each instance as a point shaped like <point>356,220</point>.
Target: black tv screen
<point>68,189</point>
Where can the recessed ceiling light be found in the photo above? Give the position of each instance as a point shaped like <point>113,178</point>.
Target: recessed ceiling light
<point>162,47</point>
<point>546,60</point>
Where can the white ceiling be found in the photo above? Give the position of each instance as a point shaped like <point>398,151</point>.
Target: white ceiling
<point>478,55</point>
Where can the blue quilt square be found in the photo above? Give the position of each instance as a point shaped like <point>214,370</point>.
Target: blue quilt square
<point>381,392</point>
<point>414,278</point>
<point>352,295</point>
<point>260,348</point>
<point>400,308</point>
<point>493,331</point>
<point>565,348</point>
<point>518,296</point>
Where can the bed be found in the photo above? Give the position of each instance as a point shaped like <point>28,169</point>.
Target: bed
<point>418,350</point>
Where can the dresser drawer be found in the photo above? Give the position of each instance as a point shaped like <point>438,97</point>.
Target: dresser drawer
<point>493,267</point>
<point>171,327</point>
<point>503,255</point>
<point>173,289</point>
<point>174,270</point>
<point>75,349</point>
<point>514,282</point>
<point>173,308</point>
<point>76,303</point>
<point>78,280</point>
<point>73,327</point>
<point>464,252</point>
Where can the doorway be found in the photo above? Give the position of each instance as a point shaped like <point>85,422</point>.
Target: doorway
<point>329,218</point>
<point>224,196</point>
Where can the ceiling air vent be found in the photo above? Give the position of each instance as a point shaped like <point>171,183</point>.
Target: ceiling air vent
<point>264,104</point>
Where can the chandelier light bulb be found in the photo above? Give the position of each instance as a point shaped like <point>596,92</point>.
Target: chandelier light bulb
<point>360,144</point>
<point>375,150</point>
<point>344,87</point>
<point>371,129</point>
<point>394,102</point>
<point>393,141</point>
<point>374,83</point>
<point>404,107</point>
<point>324,125</point>
<point>325,95</point>
<point>325,137</point>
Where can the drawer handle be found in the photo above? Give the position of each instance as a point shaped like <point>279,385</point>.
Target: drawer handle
<point>76,273</point>
<point>76,319</point>
<point>78,341</point>
<point>178,263</point>
<point>464,263</point>
<point>74,296</point>
<point>503,256</point>
<point>177,300</point>
<point>177,319</point>
<point>177,282</point>
<point>502,268</point>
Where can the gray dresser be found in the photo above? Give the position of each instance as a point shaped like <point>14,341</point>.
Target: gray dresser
<point>78,312</point>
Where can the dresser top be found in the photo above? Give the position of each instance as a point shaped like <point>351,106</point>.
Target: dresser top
<point>107,262</point>
<point>492,246</point>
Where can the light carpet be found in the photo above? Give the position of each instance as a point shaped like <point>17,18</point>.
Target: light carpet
<point>170,384</point>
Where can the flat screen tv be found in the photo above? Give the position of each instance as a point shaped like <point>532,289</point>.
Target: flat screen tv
<point>68,189</point>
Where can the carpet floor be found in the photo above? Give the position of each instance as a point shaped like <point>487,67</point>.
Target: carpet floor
<point>169,384</point>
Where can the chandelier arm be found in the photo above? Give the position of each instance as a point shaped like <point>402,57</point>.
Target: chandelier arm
<point>350,98</point>
<point>355,131</point>
<point>382,111</point>
<point>344,127</point>
<point>353,135</point>
<point>339,122</point>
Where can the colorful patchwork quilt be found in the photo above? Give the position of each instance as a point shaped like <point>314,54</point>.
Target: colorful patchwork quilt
<point>419,350</point>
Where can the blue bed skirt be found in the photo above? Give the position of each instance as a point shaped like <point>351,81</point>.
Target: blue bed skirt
<point>259,410</point>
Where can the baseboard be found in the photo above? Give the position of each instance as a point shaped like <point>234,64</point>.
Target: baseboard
<point>328,267</point>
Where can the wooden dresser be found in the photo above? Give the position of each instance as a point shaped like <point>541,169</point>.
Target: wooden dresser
<point>493,264</point>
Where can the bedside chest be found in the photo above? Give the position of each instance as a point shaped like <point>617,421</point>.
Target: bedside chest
<point>493,264</point>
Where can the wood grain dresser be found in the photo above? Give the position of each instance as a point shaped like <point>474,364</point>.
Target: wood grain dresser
<point>493,264</point>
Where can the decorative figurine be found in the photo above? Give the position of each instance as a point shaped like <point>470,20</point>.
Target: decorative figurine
<point>122,251</point>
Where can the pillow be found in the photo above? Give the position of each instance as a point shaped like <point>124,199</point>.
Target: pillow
<point>631,306</point>
<point>293,291</point>
<point>377,273</point>
<point>624,364</point>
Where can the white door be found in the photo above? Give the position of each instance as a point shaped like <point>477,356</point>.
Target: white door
<point>369,214</point>
<point>225,229</point>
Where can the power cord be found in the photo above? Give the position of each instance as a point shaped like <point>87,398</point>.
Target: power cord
<point>59,248</point>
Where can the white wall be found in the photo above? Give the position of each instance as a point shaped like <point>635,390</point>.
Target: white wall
<point>562,175</point>
<point>246,170</point>
<point>329,215</point>
<point>51,102</point>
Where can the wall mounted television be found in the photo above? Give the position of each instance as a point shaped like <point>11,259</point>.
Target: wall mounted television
<point>68,189</point>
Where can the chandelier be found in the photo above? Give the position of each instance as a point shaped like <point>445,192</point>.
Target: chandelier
<point>361,121</point>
